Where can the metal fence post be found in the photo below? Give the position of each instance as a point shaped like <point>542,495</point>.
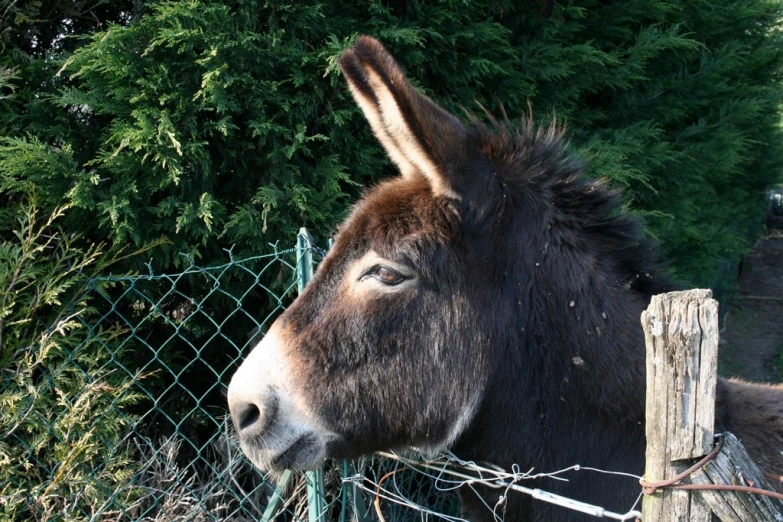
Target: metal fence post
<point>316,492</point>
<point>304,258</point>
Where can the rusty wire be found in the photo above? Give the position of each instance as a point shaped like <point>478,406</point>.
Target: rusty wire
<point>648,488</point>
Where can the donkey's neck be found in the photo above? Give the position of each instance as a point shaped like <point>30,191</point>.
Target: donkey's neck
<point>572,365</point>
<point>562,400</point>
<point>579,273</point>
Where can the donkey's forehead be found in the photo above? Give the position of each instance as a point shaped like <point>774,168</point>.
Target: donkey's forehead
<point>399,212</point>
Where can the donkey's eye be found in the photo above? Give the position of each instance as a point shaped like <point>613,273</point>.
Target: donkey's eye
<point>386,275</point>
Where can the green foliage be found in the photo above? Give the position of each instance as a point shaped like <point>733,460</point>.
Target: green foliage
<point>61,448</point>
<point>220,124</point>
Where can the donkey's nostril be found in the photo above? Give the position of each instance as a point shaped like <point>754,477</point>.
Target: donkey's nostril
<point>248,416</point>
<point>253,413</point>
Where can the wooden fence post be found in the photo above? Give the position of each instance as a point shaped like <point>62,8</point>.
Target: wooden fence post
<point>681,334</point>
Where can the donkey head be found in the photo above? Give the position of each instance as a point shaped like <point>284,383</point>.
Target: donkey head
<point>391,344</point>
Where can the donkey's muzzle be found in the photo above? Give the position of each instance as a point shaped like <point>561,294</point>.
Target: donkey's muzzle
<point>276,427</point>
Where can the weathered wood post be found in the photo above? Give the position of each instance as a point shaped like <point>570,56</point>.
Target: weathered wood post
<point>681,334</point>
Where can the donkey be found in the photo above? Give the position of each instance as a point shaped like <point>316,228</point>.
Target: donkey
<point>487,300</point>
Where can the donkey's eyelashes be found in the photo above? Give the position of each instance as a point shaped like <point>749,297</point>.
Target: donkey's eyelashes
<point>384,274</point>
<point>378,273</point>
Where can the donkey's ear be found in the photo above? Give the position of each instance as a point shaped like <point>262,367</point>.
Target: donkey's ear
<point>419,137</point>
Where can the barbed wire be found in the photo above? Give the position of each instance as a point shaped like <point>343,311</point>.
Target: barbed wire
<point>449,473</point>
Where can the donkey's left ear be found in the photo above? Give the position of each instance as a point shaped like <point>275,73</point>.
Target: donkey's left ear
<point>420,137</point>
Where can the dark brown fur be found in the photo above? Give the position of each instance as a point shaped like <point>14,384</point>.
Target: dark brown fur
<point>528,290</point>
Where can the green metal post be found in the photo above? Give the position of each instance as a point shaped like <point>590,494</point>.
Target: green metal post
<point>304,258</point>
<point>316,492</point>
<point>276,500</point>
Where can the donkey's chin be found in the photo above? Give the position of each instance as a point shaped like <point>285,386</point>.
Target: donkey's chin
<point>306,452</point>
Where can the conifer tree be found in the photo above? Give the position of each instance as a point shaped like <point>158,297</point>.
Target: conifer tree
<point>217,124</point>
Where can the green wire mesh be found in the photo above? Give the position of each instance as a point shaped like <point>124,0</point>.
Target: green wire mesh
<point>168,345</point>
<point>186,333</point>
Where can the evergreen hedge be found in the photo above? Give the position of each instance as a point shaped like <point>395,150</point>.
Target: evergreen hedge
<point>64,451</point>
<point>215,124</point>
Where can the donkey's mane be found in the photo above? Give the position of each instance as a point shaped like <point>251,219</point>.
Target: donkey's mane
<point>528,158</point>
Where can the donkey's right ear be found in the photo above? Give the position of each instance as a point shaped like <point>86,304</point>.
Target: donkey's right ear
<point>421,138</point>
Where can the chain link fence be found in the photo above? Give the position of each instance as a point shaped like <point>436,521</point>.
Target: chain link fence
<point>154,363</point>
